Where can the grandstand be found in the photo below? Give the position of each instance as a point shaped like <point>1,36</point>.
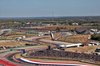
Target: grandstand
<point>62,55</point>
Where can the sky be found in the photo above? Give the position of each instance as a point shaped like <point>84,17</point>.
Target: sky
<point>47,8</point>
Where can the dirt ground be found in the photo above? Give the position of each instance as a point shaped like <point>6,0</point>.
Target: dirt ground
<point>0,32</point>
<point>77,38</point>
<point>69,27</point>
<point>17,33</point>
<point>86,49</point>
<point>9,40</point>
<point>32,48</point>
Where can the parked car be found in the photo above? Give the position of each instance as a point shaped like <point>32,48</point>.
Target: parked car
<point>93,43</point>
<point>96,43</point>
<point>97,50</point>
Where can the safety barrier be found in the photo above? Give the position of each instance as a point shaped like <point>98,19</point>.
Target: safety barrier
<point>47,63</point>
<point>23,50</point>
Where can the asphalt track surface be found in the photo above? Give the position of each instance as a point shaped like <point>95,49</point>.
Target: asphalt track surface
<point>10,58</point>
<point>4,61</point>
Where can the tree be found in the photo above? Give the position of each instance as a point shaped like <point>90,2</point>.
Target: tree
<point>58,28</point>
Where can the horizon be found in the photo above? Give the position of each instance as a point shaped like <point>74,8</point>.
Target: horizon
<point>45,8</point>
<point>49,16</point>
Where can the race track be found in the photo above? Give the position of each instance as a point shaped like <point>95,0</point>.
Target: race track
<point>7,57</point>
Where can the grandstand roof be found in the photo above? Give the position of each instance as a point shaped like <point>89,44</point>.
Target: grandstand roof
<point>81,29</point>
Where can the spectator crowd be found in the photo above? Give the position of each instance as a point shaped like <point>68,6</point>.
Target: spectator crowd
<point>65,54</point>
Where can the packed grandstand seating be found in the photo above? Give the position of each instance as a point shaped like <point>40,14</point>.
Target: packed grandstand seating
<point>65,54</point>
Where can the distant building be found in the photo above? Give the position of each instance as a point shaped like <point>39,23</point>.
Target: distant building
<point>46,24</point>
<point>98,32</point>
<point>90,24</point>
<point>82,30</point>
<point>75,24</point>
<point>28,23</point>
<point>94,30</point>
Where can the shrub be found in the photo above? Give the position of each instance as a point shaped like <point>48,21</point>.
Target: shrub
<point>95,37</point>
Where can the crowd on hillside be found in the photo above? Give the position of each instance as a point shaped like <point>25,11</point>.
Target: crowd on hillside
<point>66,54</point>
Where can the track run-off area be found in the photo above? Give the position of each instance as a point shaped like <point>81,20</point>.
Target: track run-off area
<point>15,57</point>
